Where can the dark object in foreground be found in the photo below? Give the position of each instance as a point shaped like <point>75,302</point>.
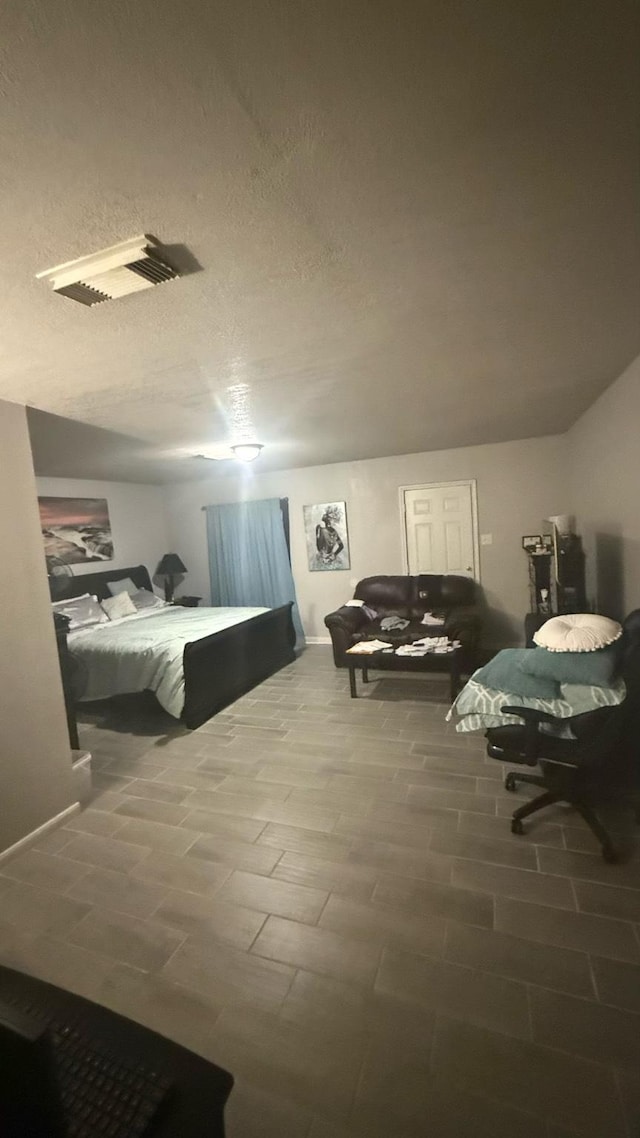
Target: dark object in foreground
<point>72,1069</point>
<point>600,765</point>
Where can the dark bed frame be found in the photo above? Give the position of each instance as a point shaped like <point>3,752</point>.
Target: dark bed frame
<point>219,668</point>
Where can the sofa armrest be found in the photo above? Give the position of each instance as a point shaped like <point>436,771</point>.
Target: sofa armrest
<point>464,623</point>
<point>344,624</point>
<point>466,618</point>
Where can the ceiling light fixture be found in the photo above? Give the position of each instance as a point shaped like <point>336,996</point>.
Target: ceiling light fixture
<point>247,452</point>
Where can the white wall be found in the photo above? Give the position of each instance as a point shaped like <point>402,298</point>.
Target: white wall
<point>137,519</point>
<point>605,474</point>
<point>519,483</point>
<point>35,758</point>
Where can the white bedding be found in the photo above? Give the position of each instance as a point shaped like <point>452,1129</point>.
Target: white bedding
<point>144,651</point>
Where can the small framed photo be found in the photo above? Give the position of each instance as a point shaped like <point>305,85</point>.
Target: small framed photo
<point>531,543</point>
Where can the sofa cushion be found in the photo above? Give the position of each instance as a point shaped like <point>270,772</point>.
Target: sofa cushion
<point>457,590</point>
<point>413,631</point>
<point>427,591</point>
<point>385,595</point>
<point>425,594</point>
<point>439,592</point>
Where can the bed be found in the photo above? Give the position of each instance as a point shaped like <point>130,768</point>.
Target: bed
<point>216,664</point>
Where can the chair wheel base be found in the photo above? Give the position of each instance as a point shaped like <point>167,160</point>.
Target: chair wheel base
<point>510,782</point>
<point>516,826</point>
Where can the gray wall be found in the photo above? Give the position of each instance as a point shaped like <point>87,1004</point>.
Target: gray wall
<point>35,759</point>
<point>519,483</point>
<point>605,466</point>
<point>137,519</point>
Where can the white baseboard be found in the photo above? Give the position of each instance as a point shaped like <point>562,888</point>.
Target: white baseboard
<point>35,835</point>
<point>318,639</point>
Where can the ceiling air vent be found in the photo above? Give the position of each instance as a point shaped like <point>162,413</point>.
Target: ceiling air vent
<point>131,266</point>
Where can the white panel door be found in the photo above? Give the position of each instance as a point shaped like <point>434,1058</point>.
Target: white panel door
<point>440,531</point>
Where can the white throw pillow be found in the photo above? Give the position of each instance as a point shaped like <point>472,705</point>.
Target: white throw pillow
<point>143,599</point>
<point>577,632</point>
<point>80,597</point>
<point>119,606</point>
<point>124,585</point>
<point>81,611</point>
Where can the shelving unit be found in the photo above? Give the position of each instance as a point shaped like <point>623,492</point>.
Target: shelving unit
<point>541,581</point>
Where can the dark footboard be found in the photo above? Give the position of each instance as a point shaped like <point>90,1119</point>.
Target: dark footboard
<point>222,667</point>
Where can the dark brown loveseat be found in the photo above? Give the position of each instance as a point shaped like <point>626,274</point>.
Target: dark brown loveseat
<point>453,597</point>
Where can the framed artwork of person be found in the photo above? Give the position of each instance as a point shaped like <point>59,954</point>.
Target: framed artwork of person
<point>327,536</point>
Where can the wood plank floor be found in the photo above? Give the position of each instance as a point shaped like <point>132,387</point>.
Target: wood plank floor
<point>323,896</point>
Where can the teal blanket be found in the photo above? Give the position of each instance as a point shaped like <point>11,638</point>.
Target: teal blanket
<point>478,707</point>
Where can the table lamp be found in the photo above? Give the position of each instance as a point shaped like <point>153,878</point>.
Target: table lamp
<point>170,567</point>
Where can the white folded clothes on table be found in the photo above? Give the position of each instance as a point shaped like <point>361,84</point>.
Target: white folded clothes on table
<point>430,618</point>
<point>367,647</point>
<point>432,643</point>
<point>412,650</point>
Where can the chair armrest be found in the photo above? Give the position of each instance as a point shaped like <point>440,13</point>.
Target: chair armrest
<point>344,624</point>
<point>530,714</point>
<point>532,719</point>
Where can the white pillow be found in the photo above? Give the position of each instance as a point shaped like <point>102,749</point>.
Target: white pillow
<point>143,599</point>
<point>124,585</point>
<point>577,632</point>
<point>81,611</point>
<point>119,606</point>
<point>58,604</point>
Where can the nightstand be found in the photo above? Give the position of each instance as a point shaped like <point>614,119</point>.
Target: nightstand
<point>187,602</point>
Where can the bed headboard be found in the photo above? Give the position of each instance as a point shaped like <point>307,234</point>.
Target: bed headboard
<point>96,583</point>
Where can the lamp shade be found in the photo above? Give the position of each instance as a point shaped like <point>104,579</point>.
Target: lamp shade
<point>170,565</point>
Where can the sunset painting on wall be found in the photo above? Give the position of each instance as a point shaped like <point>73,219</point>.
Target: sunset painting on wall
<point>75,530</point>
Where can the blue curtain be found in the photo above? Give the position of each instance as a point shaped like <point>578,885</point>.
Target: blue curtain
<point>248,557</point>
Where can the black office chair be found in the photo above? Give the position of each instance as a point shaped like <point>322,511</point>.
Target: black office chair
<point>602,763</point>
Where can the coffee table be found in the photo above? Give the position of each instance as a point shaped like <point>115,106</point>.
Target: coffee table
<point>389,662</point>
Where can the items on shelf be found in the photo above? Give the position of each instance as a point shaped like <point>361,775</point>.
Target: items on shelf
<point>556,569</point>
<point>541,598</point>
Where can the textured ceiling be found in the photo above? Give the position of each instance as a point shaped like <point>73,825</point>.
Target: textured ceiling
<point>417,223</point>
